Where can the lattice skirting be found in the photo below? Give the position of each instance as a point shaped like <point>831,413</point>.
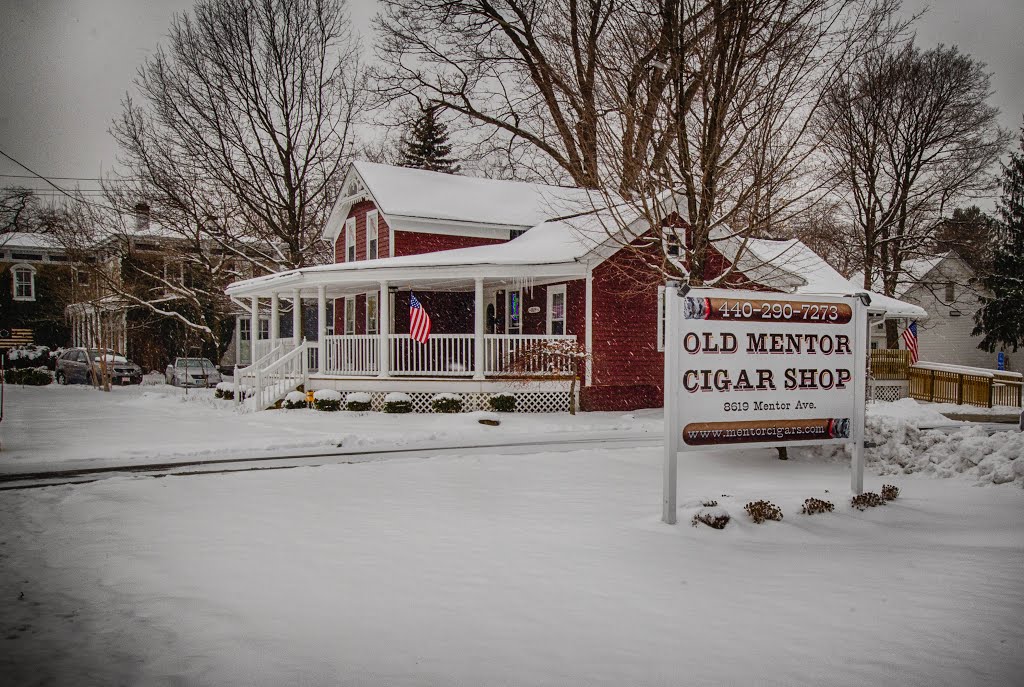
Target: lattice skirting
<point>888,391</point>
<point>526,401</point>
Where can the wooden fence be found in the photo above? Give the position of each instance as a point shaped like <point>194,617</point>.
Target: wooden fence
<point>953,386</point>
<point>890,363</point>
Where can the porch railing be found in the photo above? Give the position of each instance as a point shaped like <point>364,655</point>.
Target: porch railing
<point>444,355</point>
<point>353,354</point>
<point>514,354</point>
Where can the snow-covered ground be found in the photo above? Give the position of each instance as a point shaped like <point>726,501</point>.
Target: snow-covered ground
<point>73,427</point>
<point>545,568</point>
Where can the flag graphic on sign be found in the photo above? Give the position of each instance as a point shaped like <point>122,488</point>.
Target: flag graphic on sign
<point>419,320</point>
<point>910,340</point>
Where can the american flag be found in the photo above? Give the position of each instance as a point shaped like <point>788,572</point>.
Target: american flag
<point>419,320</point>
<point>910,340</point>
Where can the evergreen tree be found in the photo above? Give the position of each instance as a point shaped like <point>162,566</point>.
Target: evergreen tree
<point>426,145</point>
<point>1001,319</point>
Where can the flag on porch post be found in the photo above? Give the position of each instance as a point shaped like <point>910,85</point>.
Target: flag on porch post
<point>910,340</point>
<point>419,320</point>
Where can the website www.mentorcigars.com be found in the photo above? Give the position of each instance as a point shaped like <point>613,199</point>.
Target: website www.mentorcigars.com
<point>752,431</point>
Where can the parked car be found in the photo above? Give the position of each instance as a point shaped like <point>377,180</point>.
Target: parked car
<point>84,365</point>
<point>192,372</point>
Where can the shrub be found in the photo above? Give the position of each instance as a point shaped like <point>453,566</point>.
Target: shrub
<point>890,492</point>
<point>868,499</point>
<point>29,356</point>
<point>225,390</point>
<point>29,376</point>
<point>759,511</point>
<point>294,400</point>
<point>327,399</point>
<point>812,506</point>
<point>709,503</point>
<point>712,516</point>
<point>502,403</point>
<point>397,402</point>
<point>446,403</point>
<point>358,401</point>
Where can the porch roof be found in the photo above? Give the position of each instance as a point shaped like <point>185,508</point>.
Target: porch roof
<point>558,249</point>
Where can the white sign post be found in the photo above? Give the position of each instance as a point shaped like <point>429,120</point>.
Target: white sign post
<point>746,368</point>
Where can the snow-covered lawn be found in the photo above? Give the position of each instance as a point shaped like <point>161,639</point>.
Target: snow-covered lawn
<point>65,427</point>
<point>542,569</point>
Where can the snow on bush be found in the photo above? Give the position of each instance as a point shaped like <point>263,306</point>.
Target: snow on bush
<point>358,401</point>
<point>759,511</point>
<point>327,399</point>
<point>902,447</point>
<point>225,390</point>
<point>397,402</point>
<point>30,352</point>
<point>446,403</point>
<point>294,400</point>
<point>712,516</point>
<point>812,506</point>
<point>28,376</point>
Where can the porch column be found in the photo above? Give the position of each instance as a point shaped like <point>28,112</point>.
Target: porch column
<point>275,318</point>
<point>254,328</point>
<point>296,317</point>
<point>321,326</point>
<point>384,329</point>
<point>478,331</point>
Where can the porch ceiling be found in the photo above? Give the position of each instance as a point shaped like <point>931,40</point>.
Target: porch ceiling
<point>342,282</point>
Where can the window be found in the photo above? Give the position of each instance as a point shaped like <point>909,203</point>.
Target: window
<point>83,277</point>
<point>371,313</point>
<point>350,315</point>
<point>514,313</point>
<point>38,257</point>
<point>556,310</point>
<point>372,229</point>
<point>24,282</point>
<point>350,239</point>
<point>174,272</point>
<point>661,318</point>
<point>515,233</point>
<point>950,292</point>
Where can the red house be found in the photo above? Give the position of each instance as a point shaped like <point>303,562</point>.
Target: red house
<point>500,266</point>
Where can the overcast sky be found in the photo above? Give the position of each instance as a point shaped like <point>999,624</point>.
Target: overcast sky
<point>67,64</point>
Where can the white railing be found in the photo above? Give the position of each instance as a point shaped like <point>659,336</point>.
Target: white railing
<point>502,352</point>
<point>353,354</point>
<point>443,355</point>
<point>245,377</point>
<point>278,378</point>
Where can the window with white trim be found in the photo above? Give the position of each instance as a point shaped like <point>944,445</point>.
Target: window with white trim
<point>661,318</point>
<point>350,239</point>
<point>372,235</point>
<point>556,310</point>
<point>24,277</point>
<point>372,312</point>
<point>350,315</point>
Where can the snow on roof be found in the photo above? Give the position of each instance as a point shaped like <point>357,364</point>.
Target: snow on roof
<point>404,192</point>
<point>791,265</point>
<point>912,273</point>
<point>21,239</point>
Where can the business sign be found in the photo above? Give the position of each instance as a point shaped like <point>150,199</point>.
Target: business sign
<point>747,369</point>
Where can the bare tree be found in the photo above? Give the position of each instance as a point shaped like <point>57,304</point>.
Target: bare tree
<point>908,133</point>
<point>241,130</point>
<point>17,208</point>
<point>548,83</point>
<point>555,359</point>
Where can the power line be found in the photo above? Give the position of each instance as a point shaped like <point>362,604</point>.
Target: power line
<point>55,186</point>
<point>29,176</point>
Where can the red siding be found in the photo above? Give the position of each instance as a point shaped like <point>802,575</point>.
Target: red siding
<point>627,367</point>
<point>414,243</point>
<point>359,211</point>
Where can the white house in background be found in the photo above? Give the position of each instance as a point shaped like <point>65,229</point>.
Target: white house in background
<point>949,289</point>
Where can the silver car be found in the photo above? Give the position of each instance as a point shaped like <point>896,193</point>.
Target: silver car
<point>86,365</point>
<point>192,372</point>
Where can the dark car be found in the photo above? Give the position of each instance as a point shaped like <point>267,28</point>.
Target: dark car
<point>85,365</point>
